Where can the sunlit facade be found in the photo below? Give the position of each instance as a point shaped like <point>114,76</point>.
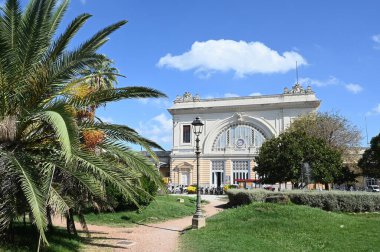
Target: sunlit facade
<point>234,130</point>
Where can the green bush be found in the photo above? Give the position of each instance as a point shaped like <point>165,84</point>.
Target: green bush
<point>281,199</point>
<point>330,201</point>
<point>120,204</point>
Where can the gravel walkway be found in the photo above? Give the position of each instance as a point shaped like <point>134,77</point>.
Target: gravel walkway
<point>153,237</point>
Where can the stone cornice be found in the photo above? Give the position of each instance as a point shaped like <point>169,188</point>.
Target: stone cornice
<point>246,104</point>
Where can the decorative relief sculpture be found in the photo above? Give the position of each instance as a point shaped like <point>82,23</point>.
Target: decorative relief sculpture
<point>239,116</point>
<point>187,97</point>
<point>196,97</point>
<point>298,89</point>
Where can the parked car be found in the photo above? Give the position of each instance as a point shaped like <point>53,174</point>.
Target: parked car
<point>373,188</point>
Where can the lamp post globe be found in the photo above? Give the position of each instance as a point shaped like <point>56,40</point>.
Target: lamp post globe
<point>198,220</point>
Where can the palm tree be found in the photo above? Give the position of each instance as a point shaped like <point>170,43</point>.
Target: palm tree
<point>102,76</point>
<point>42,141</point>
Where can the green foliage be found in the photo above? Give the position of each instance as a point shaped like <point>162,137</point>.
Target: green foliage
<point>346,176</point>
<point>47,104</point>
<point>277,227</point>
<point>144,199</point>
<point>280,159</point>
<point>26,239</point>
<point>370,161</point>
<point>334,129</point>
<point>330,201</point>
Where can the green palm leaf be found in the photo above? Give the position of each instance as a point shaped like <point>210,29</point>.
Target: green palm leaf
<point>64,128</point>
<point>34,196</point>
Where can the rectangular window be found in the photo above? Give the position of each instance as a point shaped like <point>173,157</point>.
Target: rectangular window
<point>240,170</point>
<point>186,134</point>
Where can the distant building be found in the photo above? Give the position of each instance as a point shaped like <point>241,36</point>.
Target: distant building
<point>234,130</point>
<point>164,162</point>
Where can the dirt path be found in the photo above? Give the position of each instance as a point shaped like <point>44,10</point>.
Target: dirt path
<point>155,237</point>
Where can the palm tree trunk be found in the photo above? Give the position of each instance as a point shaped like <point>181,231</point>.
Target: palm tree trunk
<point>70,224</point>
<point>24,219</point>
<point>49,220</point>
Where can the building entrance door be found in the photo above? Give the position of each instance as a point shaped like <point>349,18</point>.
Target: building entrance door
<point>218,178</point>
<point>185,178</point>
<point>217,174</point>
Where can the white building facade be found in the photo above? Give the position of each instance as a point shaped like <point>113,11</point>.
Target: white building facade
<point>234,130</point>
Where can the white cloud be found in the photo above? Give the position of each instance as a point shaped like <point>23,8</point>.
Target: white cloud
<point>354,88</point>
<point>319,83</point>
<point>255,94</point>
<point>376,38</point>
<point>230,95</point>
<point>243,58</point>
<point>157,102</point>
<point>374,111</point>
<point>351,87</point>
<point>158,129</point>
<point>83,2</point>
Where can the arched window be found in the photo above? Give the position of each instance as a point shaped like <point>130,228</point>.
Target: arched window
<point>238,137</point>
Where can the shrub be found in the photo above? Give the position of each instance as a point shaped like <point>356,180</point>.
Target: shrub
<point>330,201</point>
<point>227,187</point>
<point>282,199</point>
<point>120,204</point>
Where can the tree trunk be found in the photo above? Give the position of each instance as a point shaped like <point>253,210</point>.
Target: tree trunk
<point>24,219</point>
<point>49,220</point>
<point>327,187</point>
<point>70,224</point>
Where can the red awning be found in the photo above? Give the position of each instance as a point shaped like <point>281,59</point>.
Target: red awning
<point>247,180</point>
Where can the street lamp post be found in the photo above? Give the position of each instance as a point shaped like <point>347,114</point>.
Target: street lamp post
<point>198,218</point>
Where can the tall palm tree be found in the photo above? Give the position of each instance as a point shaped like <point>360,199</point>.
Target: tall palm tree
<point>42,140</point>
<point>102,76</point>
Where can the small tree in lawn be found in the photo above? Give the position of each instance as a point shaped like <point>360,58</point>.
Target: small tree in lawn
<point>370,162</point>
<point>338,132</point>
<point>280,159</point>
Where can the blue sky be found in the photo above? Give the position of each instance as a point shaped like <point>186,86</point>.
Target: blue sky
<point>175,46</point>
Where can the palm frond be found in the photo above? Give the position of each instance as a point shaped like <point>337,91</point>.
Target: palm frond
<point>34,196</point>
<point>58,203</point>
<point>57,16</point>
<point>121,179</point>
<point>100,38</point>
<point>8,191</point>
<point>62,42</point>
<point>126,134</point>
<point>101,97</point>
<point>64,127</point>
<point>134,160</point>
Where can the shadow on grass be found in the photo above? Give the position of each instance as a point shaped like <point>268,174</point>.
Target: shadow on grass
<point>223,206</point>
<point>162,228</point>
<point>127,218</point>
<point>26,239</point>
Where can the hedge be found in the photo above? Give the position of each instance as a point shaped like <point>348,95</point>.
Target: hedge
<point>326,200</point>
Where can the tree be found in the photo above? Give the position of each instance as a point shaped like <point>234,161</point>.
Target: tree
<point>370,161</point>
<point>333,128</point>
<point>47,138</point>
<point>280,159</point>
<point>347,176</point>
<point>102,76</point>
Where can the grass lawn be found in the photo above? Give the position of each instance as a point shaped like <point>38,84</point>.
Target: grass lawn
<point>273,227</point>
<point>163,208</point>
<point>26,239</point>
